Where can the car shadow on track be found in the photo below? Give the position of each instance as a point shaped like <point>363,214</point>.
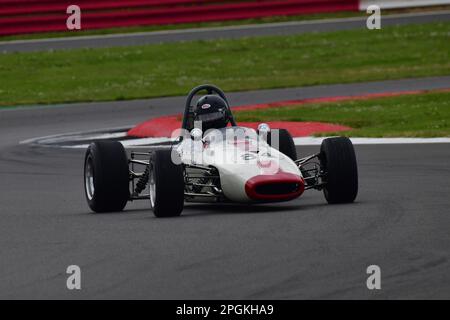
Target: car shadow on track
<point>208,209</point>
<point>192,210</point>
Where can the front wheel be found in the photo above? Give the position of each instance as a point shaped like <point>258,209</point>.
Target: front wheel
<point>106,176</point>
<point>166,185</point>
<point>338,161</point>
<point>281,140</point>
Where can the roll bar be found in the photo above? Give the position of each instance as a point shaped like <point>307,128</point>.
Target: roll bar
<point>210,89</point>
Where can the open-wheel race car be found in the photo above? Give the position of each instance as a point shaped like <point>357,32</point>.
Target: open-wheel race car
<point>212,159</point>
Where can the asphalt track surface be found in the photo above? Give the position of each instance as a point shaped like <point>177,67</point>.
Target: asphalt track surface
<point>300,249</point>
<point>232,32</point>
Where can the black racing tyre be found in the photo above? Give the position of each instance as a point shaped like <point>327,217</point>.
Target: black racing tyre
<point>106,176</point>
<point>338,160</point>
<point>166,184</point>
<point>286,143</point>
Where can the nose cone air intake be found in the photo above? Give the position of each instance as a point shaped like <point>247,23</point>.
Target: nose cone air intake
<point>281,186</point>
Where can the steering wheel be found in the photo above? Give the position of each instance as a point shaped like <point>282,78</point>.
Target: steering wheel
<point>210,89</point>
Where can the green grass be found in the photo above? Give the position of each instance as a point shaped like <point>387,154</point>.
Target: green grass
<point>244,64</point>
<point>422,115</point>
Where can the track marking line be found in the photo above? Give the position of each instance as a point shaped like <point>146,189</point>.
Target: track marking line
<point>299,141</point>
<point>313,141</point>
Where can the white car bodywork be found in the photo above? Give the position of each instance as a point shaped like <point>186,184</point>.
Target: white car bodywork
<point>250,170</point>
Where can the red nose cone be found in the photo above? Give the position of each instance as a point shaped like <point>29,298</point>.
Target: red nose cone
<point>281,186</point>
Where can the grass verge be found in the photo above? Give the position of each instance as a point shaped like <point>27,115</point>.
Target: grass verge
<point>417,115</point>
<point>235,65</point>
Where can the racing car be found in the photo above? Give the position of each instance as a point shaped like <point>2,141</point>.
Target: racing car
<point>212,159</point>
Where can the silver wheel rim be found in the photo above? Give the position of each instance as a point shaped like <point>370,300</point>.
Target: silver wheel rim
<point>89,178</point>
<point>152,186</point>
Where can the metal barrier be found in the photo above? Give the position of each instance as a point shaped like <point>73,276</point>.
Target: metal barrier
<point>32,16</point>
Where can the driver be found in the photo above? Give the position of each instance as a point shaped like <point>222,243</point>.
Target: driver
<point>211,111</point>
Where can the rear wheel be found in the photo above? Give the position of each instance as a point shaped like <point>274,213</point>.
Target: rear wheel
<point>166,185</point>
<point>338,160</point>
<point>106,176</point>
<point>285,142</point>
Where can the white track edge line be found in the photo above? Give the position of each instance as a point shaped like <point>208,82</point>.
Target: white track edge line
<point>299,141</point>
